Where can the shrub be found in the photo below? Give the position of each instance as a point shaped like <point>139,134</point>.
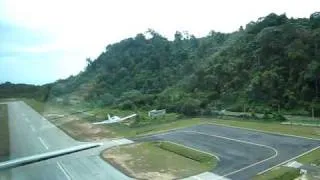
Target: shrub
<point>191,107</point>
<point>266,116</point>
<point>127,105</point>
<point>279,117</point>
<point>107,99</point>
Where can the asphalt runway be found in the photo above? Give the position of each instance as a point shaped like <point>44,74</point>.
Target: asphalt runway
<point>31,134</point>
<point>242,153</point>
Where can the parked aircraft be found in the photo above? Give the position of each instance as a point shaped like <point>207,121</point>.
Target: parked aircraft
<point>115,119</point>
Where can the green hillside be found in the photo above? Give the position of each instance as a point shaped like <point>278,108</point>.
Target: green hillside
<point>272,63</point>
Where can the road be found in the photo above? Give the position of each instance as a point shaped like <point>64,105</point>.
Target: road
<point>31,134</point>
<point>242,153</point>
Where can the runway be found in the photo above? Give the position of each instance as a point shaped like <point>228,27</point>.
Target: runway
<point>31,134</point>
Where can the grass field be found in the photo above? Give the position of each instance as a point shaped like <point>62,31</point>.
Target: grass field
<point>279,173</point>
<point>4,133</point>
<point>153,160</point>
<point>201,157</point>
<point>311,158</point>
<point>273,127</point>
<point>36,105</point>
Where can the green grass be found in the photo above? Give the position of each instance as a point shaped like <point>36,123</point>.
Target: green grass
<point>4,133</point>
<point>149,157</point>
<point>311,158</point>
<point>195,155</point>
<point>280,173</point>
<point>273,127</point>
<point>122,130</point>
<point>36,105</point>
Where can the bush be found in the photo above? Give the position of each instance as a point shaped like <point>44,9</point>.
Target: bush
<point>279,117</point>
<point>140,121</point>
<point>191,107</point>
<point>107,99</point>
<point>127,105</point>
<point>274,116</point>
<point>253,115</point>
<point>66,101</point>
<point>266,116</point>
<point>236,108</point>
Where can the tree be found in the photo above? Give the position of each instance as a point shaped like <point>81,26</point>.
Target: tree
<point>191,107</point>
<point>178,36</point>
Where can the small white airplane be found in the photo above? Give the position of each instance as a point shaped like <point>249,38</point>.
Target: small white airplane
<point>115,119</point>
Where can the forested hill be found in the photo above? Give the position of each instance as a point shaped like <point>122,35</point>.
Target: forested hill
<point>10,90</point>
<point>273,62</point>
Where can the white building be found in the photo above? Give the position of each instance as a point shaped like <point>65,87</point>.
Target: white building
<point>156,113</point>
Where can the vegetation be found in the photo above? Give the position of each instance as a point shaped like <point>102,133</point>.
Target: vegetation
<point>4,133</point>
<point>9,90</point>
<point>39,106</point>
<point>270,65</point>
<point>280,173</point>
<point>195,155</point>
<point>149,161</point>
<point>311,158</point>
<point>273,127</point>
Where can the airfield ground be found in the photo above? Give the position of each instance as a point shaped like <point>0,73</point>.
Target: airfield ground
<point>243,153</point>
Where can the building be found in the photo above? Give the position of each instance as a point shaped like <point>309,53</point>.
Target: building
<point>156,113</point>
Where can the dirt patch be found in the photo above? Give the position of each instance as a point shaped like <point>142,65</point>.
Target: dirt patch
<point>77,126</point>
<point>85,131</point>
<point>155,176</point>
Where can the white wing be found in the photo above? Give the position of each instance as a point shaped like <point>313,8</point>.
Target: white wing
<point>114,121</point>
<point>127,117</point>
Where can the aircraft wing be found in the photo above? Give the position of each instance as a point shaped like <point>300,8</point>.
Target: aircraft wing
<point>102,122</point>
<point>116,120</point>
<point>127,117</point>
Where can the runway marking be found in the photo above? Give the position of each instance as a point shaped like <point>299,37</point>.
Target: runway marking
<point>261,172</point>
<point>245,142</point>
<point>32,128</point>
<point>64,171</point>
<point>43,143</point>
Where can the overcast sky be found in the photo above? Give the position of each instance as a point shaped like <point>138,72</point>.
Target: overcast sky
<point>45,40</point>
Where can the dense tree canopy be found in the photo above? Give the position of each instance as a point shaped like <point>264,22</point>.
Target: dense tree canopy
<point>273,62</point>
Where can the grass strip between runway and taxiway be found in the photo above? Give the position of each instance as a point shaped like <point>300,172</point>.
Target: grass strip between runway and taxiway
<point>4,133</point>
<point>279,173</point>
<point>4,139</point>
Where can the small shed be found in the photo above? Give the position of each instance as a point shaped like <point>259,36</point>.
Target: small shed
<point>156,113</point>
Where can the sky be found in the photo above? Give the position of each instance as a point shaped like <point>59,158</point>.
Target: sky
<point>42,41</point>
